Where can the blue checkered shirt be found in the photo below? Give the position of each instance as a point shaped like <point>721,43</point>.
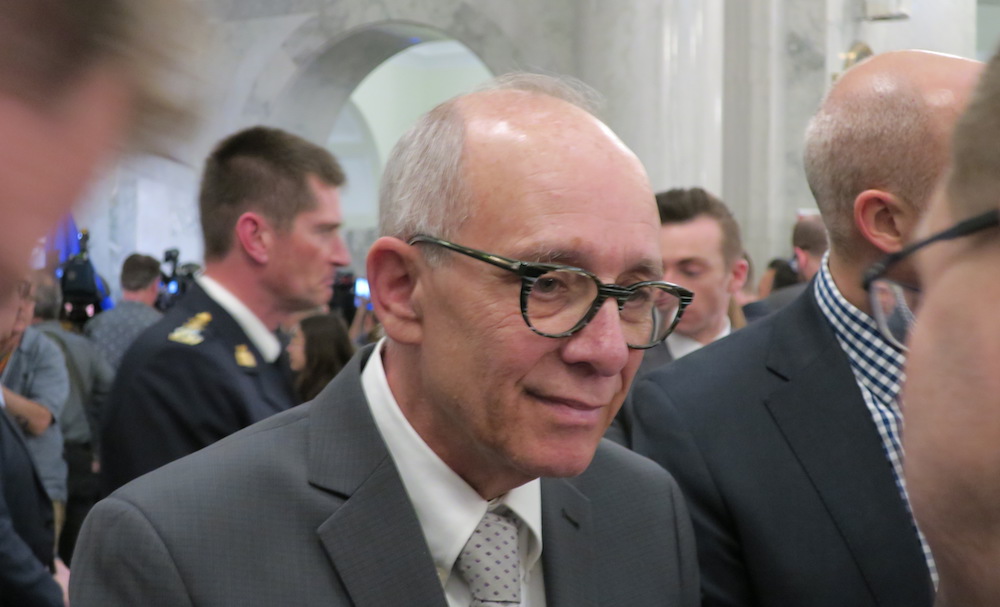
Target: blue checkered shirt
<point>878,370</point>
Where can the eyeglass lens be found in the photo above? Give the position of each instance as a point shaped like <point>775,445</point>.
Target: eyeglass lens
<point>559,300</point>
<point>895,307</point>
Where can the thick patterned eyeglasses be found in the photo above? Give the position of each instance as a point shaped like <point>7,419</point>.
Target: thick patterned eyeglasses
<point>894,302</point>
<point>558,300</point>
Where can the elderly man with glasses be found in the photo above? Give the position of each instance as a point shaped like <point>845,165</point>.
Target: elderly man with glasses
<point>949,281</point>
<point>786,436</point>
<point>459,461</point>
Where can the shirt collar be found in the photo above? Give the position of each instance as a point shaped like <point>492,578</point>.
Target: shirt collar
<point>447,507</point>
<point>875,362</point>
<point>262,338</point>
<point>682,345</point>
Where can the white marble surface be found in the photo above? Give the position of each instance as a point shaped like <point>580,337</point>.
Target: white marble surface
<point>661,64</point>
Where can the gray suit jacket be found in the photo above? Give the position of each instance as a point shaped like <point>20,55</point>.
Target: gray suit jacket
<point>792,497</point>
<point>307,508</point>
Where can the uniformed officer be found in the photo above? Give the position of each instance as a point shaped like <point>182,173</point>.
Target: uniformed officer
<point>270,216</point>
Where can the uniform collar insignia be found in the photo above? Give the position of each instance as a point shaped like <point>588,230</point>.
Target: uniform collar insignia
<point>244,357</point>
<point>189,333</point>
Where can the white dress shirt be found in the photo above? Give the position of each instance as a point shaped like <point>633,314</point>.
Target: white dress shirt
<point>447,507</point>
<point>682,345</point>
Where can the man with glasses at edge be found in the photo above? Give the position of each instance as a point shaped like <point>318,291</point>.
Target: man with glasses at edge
<point>516,279</point>
<point>786,436</point>
<point>949,279</point>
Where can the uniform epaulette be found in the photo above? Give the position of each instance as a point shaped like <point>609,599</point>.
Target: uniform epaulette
<point>189,333</point>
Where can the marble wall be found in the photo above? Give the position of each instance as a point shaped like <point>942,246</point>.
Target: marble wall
<point>707,92</point>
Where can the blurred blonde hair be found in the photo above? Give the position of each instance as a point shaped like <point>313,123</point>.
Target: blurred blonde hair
<point>47,45</point>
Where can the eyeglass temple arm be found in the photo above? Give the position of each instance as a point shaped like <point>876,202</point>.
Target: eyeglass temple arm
<point>968,226</point>
<point>497,260</point>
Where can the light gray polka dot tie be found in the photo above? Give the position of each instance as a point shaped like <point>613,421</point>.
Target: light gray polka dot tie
<point>489,563</point>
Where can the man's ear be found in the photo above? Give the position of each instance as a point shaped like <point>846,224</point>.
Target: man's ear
<point>801,261</point>
<point>255,236</point>
<point>738,275</point>
<point>394,272</point>
<point>883,219</point>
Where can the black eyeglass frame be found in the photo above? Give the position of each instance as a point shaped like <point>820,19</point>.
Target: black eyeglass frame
<point>530,271</point>
<point>965,227</point>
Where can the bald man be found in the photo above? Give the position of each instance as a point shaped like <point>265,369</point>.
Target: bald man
<point>785,437</point>
<point>517,283</point>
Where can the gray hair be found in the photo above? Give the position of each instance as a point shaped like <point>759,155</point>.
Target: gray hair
<point>423,188</point>
<point>45,45</point>
<point>885,140</point>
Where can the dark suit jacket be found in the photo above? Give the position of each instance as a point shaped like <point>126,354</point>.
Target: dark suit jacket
<point>778,299</point>
<point>174,394</point>
<point>26,538</point>
<point>793,500</point>
<point>307,508</point>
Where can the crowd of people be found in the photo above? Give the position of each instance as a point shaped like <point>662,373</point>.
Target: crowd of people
<point>832,443</point>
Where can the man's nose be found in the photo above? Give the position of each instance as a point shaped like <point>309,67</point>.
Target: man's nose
<point>602,343</point>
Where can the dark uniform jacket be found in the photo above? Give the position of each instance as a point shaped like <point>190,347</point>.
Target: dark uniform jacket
<point>26,538</point>
<point>192,378</point>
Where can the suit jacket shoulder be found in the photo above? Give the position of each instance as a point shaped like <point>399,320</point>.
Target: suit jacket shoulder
<point>307,508</point>
<point>618,534</point>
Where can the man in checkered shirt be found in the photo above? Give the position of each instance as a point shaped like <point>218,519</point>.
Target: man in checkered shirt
<point>785,436</point>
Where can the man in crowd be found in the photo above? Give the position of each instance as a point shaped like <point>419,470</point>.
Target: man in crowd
<point>26,519</point>
<point>809,245</point>
<point>703,252</point>
<point>90,379</point>
<point>76,80</point>
<point>786,436</point>
<point>114,330</point>
<point>952,389</point>
<point>35,385</point>
<point>270,217</point>
<point>428,445</point>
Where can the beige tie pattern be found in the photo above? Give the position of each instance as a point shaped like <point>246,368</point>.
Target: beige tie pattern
<point>490,565</point>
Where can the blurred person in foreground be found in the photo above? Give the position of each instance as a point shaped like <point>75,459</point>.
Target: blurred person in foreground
<point>271,225</point>
<point>952,390</point>
<point>78,82</point>
<point>517,281</point>
<point>114,330</point>
<point>786,436</point>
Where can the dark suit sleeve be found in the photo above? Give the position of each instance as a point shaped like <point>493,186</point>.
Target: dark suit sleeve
<point>120,560</point>
<point>659,433</point>
<point>24,580</point>
<point>178,402</point>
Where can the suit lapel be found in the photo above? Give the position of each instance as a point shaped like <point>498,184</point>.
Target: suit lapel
<point>374,539</point>
<point>824,420</point>
<point>567,546</point>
